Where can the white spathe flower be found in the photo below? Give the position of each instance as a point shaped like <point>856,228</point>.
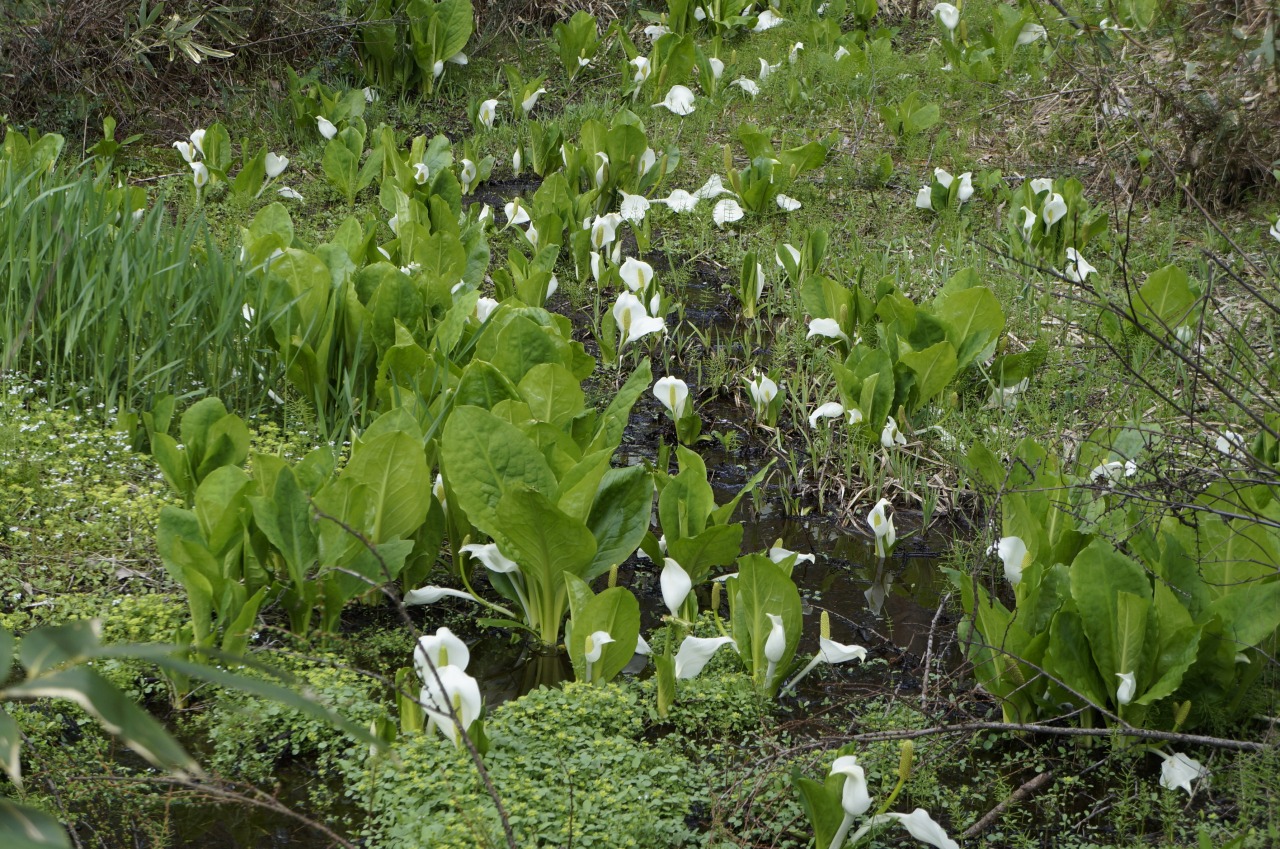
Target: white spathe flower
<point>943,177</point>
<point>829,410</point>
<point>291,194</point>
<point>1006,397</point>
<point>717,67</point>
<point>726,211</point>
<point>602,173</point>
<point>488,113</point>
<point>1231,444</point>
<point>648,159</point>
<point>642,646</point>
<point>694,654</point>
<point>440,649</point>
<point>828,328</point>
<point>679,201</point>
<point>1275,229</point>
<point>778,554</point>
<point>421,173</point>
<point>493,559</point>
<point>1178,770</point>
<point>674,395</point>
<point>1078,268</point>
<point>791,250</point>
<point>636,273</point>
<point>186,150</point>
<point>604,229</point>
<point>370,95</point>
<point>458,58</point>
<point>1054,208</point>
<point>437,69</point>
<point>924,198</point>
<point>517,161</point>
<point>922,827</point>
<point>451,689</point>
<point>643,69</point>
<point>948,15</point>
<point>966,187</point>
<point>326,127</point>
<point>1041,184</point>
<point>766,69</point>
<point>854,798</point>
<point>882,526</point>
<point>532,100</point>
<point>775,645</point>
<point>793,55</point>
<point>1127,688</point>
<point>199,174</point>
<point>598,265</point>
<point>656,31</point>
<point>633,208</point>
<point>786,203</point>
<point>763,391</point>
<point>275,165</point>
<point>699,13</point>
<point>467,177</point>
<point>515,212</point>
<point>633,321</point>
<point>830,652</point>
<point>748,86</point>
<point>679,100</point>
<point>552,285</point>
<point>1015,556</point>
<point>768,19</point>
<point>1031,32</point>
<point>676,585</point>
<point>890,435</point>
<point>1111,471</point>
<point>430,595</point>
<point>841,52</point>
<point>855,416</point>
<point>713,188</point>
<point>485,218</point>
<point>593,648</point>
<point>1028,220</point>
<point>485,308</point>
<point>197,140</point>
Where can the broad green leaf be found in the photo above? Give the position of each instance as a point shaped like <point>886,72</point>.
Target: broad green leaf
<point>484,458</point>
<point>1165,299</point>
<point>56,645</point>
<point>546,540</point>
<point>579,485</point>
<point>762,588</point>
<point>394,468</point>
<point>619,517</point>
<point>687,499</point>
<point>25,827</point>
<point>1099,574</point>
<point>974,321</point>
<point>614,611</point>
<point>483,386</point>
<point>220,500</point>
<point>286,520</point>
<point>10,748</point>
<point>1069,659</point>
<point>552,393</point>
<point>718,545</point>
<point>935,367</point>
<point>117,712</point>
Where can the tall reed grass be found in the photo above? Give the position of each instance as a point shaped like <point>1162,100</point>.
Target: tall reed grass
<point>110,306</point>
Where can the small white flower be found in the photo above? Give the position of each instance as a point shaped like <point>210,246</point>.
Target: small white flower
<point>717,67</point>
<point>787,204</point>
<point>943,177</point>
<point>794,55</point>
<point>679,100</point>
<point>326,127</point>
<point>966,187</point>
<point>676,585</point>
<point>517,161</point>
<point>515,212</point>
<point>643,69</point>
<point>636,274</point>
<point>674,395</point>
<point>1128,685</point>
<point>829,410</point>
<point>1275,229</point>
<point>1078,268</point>
<point>633,321</point>
<point>488,113</point>
<point>841,52</point>
<point>1231,444</point>
<point>924,198</point>
<point>1041,184</point>
<point>275,165</point>
<point>766,69</point>
<point>529,102</point>
<point>655,32</point>
<point>746,85</point>
<point>890,435</point>
<point>679,201</point>
<point>792,251</point>
<point>827,328</point>
<point>1028,221</point>
<point>948,15</point>
<point>187,152</point>
<point>485,308</point>
<point>1178,771</point>
<point>197,140</point>
<point>467,176</point>
<point>882,526</point>
<point>768,19</point>
<point>1054,208</point>
<point>437,70</point>
<point>633,207</point>
<point>421,173</point>
<point>1012,551</point>
<point>1031,32</point>
<point>370,96</point>
<point>726,211</point>
<point>291,194</point>
<point>458,58</point>
<point>199,174</point>
<point>713,188</point>
<point>763,391</point>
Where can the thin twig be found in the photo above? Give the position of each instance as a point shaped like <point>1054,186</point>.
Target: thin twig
<point>1028,787</point>
<point>1060,731</point>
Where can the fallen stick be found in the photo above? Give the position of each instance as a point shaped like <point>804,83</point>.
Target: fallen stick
<point>1034,784</point>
